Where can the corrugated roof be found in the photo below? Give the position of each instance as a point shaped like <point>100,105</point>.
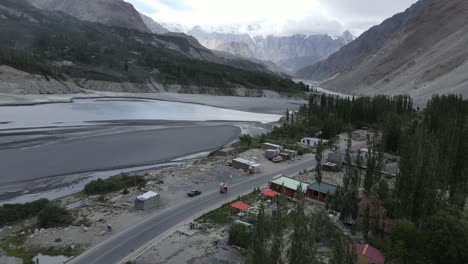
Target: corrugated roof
<point>270,193</point>
<point>290,183</point>
<point>245,161</point>
<point>240,205</point>
<point>323,187</point>
<point>370,252</point>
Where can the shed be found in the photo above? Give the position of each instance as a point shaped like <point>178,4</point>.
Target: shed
<point>270,193</point>
<point>147,200</point>
<point>312,142</point>
<point>369,254</point>
<point>241,206</point>
<point>292,154</point>
<point>266,146</point>
<point>225,152</point>
<point>320,191</point>
<point>271,153</point>
<point>246,165</point>
<point>330,166</point>
<point>287,186</point>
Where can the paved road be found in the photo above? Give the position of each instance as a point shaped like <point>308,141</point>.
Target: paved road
<point>118,247</point>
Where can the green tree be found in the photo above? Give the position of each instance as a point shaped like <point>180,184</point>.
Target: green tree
<point>318,165</point>
<point>259,252</point>
<point>405,241</point>
<point>53,216</point>
<point>446,238</point>
<point>298,251</point>
<point>278,223</point>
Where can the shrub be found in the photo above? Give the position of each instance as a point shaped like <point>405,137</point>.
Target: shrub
<point>11,213</point>
<point>113,184</point>
<point>53,216</point>
<point>240,236</point>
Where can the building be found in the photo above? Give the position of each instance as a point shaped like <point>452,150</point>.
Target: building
<point>287,186</point>
<point>266,146</point>
<point>376,211</point>
<point>368,254</point>
<point>330,166</point>
<point>271,153</point>
<point>320,191</point>
<point>147,201</point>
<point>292,154</point>
<point>246,165</point>
<point>312,142</point>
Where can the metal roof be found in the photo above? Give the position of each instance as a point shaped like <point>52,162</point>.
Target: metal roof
<point>290,183</point>
<point>240,206</point>
<point>322,188</point>
<point>370,252</point>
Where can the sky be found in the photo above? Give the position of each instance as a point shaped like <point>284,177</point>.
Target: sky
<point>273,17</point>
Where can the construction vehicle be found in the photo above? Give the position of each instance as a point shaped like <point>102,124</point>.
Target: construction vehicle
<point>223,188</point>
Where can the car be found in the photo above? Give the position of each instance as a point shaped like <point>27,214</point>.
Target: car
<point>193,193</point>
<point>277,159</point>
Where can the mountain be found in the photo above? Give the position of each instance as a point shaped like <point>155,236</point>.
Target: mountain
<point>153,26</point>
<point>427,55</point>
<point>290,53</point>
<point>371,39</point>
<point>110,12</point>
<point>53,48</point>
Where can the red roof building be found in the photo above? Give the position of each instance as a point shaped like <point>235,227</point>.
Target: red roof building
<point>270,193</point>
<point>240,206</point>
<point>369,254</point>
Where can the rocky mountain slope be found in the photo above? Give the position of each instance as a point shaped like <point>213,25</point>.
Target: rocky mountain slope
<point>370,40</point>
<point>53,46</point>
<point>110,12</point>
<point>290,53</point>
<point>428,55</point>
<point>153,25</point>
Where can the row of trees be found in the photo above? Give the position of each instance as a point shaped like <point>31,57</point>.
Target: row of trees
<point>292,238</point>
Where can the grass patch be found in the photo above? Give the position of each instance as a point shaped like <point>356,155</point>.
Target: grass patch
<point>13,247</point>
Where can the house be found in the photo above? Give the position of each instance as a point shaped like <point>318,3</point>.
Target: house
<point>147,201</point>
<point>368,254</point>
<point>287,186</point>
<point>246,165</point>
<point>312,142</point>
<point>320,191</point>
<point>266,146</point>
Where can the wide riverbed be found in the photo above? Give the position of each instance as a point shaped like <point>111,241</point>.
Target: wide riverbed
<point>64,144</point>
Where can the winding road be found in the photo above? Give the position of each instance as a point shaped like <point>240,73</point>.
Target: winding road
<point>129,243</point>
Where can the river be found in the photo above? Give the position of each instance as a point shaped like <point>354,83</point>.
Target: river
<point>51,150</point>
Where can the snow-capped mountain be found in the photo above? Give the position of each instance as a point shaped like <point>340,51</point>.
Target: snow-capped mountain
<point>288,52</point>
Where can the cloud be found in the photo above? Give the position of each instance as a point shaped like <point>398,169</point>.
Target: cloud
<point>279,17</point>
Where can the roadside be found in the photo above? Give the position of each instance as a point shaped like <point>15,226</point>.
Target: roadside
<point>117,209</point>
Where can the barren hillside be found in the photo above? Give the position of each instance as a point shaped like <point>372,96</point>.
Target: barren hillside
<point>428,55</point>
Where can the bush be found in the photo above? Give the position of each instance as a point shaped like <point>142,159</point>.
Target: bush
<point>113,184</point>
<point>53,216</point>
<point>11,213</point>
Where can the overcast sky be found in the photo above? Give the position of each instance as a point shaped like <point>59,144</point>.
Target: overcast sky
<point>279,17</point>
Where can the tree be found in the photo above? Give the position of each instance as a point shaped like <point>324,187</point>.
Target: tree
<point>446,238</point>
<point>277,247</point>
<point>260,238</point>
<point>53,215</point>
<point>344,250</point>
<point>298,250</point>
<point>374,162</point>
<point>405,240</point>
<point>318,165</point>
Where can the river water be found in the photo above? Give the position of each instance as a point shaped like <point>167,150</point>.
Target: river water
<point>52,150</point>
<point>83,111</point>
